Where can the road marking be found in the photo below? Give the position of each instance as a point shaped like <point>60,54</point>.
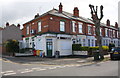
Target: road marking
<point>52,68</point>
<point>35,68</point>
<point>2,72</point>
<point>27,71</point>
<point>9,73</point>
<point>40,69</point>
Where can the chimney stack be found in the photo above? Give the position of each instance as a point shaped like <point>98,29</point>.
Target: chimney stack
<point>108,22</point>
<point>116,25</point>
<point>60,8</point>
<point>7,24</point>
<point>76,12</point>
<point>18,25</point>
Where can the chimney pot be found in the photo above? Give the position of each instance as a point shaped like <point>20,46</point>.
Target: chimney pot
<point>108,22</point>
<point>60,8</point>
<point>18,25</point>
<point>116,25</point>
<point>76,12</point>
<point>7,24</point>
<point>36,15</point>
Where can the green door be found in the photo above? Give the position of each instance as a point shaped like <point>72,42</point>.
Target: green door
<point>49,47</point>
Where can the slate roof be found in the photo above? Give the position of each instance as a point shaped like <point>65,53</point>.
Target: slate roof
<point>65,15</point>
<point>70,16</point>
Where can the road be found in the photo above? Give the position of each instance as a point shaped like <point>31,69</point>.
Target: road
<point>108,68</point>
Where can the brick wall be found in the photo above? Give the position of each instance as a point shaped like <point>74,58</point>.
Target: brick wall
<point>51,23</point>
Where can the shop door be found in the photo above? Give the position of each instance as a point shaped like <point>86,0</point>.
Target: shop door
<point>49,47</point>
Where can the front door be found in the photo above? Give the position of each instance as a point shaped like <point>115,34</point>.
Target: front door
<point>49,47</point>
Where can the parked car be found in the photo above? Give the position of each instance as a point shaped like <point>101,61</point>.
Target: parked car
<point>115,53</point>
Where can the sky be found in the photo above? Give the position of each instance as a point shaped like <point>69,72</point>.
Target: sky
<point>21,11</point>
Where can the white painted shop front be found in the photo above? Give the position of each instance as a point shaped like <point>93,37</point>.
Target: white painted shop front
<point>50,43</point>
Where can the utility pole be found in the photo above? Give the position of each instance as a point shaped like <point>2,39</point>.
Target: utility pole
<point>96,21</point>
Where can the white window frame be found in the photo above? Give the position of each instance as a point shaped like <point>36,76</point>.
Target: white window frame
<point>89,30</point>
<point>111,33</point>
<point>73,26</point>
<point>80,27</point>
<point>114,33</point>
<point>106,32</point>
<point>39,26</point>
<point>117,34</point>
<point>94,30</point>
<point>100,31</point>
<point>62,26</point>
<point>27,30</point>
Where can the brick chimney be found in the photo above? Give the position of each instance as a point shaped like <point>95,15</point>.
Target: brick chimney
<point>76,12</point>
<point>60,8</point>
<point>116,25</point>
<point>108,22</point>
<point>7,24</point>
<point>18,25</point>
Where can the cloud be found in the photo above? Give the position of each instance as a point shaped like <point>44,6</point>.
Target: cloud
<point>20,11</point>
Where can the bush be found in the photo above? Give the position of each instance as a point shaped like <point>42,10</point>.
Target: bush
<point>12,46</point>
<point>97,48</point>
<point>105,47</point>
<point>93,48</point>
<point>76,47</point>
<point>84,48</point>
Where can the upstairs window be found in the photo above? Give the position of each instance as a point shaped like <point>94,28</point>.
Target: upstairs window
<point>73,26</point>
<point>80,27</point>
<point>113,33</point>
<point>106,32</point>
<point>39,26</point>
<point>27,31</point>
<point>117,34</point>
<point>62,26</point>
<point>89,29</point>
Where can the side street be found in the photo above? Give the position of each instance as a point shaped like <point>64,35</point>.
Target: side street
<point>53,61</point>
<point>64,66</point>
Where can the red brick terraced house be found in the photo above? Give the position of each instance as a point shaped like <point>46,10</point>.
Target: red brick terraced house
<point>57,30</point>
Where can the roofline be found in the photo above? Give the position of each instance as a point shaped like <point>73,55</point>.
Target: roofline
<point>111,26</point>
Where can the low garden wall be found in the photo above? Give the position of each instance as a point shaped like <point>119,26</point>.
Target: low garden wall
<point>83,50</point>
<point>80,52</point>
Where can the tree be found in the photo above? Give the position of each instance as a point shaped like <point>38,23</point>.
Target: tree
<point>96,21</point>
<point>12,46</point>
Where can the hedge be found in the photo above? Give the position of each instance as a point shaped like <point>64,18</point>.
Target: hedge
<point>78,47</point>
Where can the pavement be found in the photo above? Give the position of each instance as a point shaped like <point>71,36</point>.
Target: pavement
<point>51,61</point>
